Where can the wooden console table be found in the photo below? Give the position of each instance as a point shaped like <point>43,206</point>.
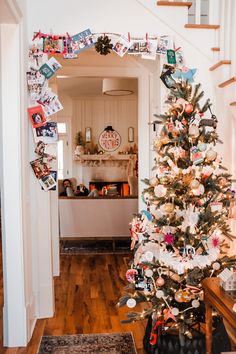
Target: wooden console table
<point>217,298</point>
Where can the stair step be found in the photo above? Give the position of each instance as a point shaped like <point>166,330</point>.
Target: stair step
<point>174,3</point>
<point>227,82</point>
<point>233,103</point>
<point>215,49</point>
<point>222,62</point>
<point>189,25</point>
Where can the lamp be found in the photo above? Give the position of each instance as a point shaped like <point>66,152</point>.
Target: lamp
<point>118,87</point>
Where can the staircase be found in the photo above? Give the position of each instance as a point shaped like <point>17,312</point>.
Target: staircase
<point>206,29</point>
<point>216,15</point>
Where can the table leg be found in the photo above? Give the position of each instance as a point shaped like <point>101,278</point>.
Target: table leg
<point>208,328</point>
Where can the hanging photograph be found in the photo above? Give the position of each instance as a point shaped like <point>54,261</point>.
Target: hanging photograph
<point>130,134</point>
<point>36,115</point>
<point>88,135</point>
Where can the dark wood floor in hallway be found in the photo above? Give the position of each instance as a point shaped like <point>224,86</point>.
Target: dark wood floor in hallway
<point>86,295</point>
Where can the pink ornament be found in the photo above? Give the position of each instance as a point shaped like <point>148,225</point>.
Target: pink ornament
<point>188,108</point>
<point>215,242</point>
<point>169,239</point>
<point>160,281</point>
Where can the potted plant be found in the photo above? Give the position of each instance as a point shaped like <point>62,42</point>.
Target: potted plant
<point>79,142</point>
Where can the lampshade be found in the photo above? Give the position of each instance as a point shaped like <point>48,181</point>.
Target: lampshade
<point>118,87</point>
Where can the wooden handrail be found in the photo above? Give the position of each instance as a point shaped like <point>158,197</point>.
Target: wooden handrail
<point>221,62</point>
<point>200,26</point>
<point>175,3</point>
<point>227,82</point>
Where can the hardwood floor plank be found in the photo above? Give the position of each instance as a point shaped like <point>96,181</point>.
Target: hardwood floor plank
<point>86,294</point>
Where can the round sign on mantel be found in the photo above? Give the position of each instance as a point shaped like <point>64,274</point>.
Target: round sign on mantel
<point>109,140</point>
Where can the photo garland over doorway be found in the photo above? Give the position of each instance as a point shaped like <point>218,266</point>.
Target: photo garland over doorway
<point>44,103</point>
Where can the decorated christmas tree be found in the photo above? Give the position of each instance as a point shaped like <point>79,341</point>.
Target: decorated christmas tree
<point>183,235</point>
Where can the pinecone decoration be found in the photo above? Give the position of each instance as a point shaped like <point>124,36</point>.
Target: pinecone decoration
<point>103,45</point>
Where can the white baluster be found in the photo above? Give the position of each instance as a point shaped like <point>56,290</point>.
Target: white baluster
<point>232,36</point>
<point>222,29</point>
<point>214,12</point>
<point>227,30</point>
<point>198,11</point>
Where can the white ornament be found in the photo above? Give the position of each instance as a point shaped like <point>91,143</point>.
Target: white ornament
<point>216,266</point>
<point>175,311</point>
<point>160,191</point>
<point>198,191</point>
<point>202,146</point>
<point>216,206</point>
<point>193,131</point>
<point>194,184</point>
<point>149,256</point>
<point>190,220</point>
<point>195,303</point>
<point>159,294</point>
<point>131,303</point>
<point>148,273</point>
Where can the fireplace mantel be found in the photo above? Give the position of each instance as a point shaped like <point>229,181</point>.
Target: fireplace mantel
<point>103,157</point>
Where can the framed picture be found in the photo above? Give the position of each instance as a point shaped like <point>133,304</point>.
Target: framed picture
<point>130,134</point>
<point>88,135</point>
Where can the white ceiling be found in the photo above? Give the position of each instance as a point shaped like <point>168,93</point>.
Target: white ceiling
<point>81,86</point>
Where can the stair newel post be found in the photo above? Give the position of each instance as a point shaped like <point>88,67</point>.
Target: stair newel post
<point>233,35</point>
<point>198,12</point>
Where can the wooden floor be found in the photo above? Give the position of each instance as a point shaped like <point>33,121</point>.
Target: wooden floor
<point>86,294</point>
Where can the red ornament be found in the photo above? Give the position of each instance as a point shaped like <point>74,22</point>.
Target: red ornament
<point>188,108</point>
<point>130,275</point>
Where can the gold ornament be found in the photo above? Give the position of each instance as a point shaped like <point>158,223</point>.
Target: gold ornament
<point>187,178</point>
<point>183,296</point>
<point>164,180</point>
<point>222,181</point>
<point>169,207</point>
<point>153,181</point>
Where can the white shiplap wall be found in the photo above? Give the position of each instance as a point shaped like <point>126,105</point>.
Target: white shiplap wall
<point>97,113</point>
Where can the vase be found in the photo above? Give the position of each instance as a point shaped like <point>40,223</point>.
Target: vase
<point>79,150</point>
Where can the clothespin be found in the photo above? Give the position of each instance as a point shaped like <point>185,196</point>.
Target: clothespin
<point>36,34</point>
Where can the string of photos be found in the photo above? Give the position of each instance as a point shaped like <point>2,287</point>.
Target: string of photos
<point>44,102</point>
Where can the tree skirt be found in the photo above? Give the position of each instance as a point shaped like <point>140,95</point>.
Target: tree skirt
<point>108,343</point>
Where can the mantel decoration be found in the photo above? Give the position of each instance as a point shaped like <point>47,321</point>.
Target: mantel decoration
<point>109,139</point>
<point>79,142</point>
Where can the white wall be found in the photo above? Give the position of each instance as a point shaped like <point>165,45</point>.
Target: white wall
<point>19,314</point>
<point>98,113</point>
